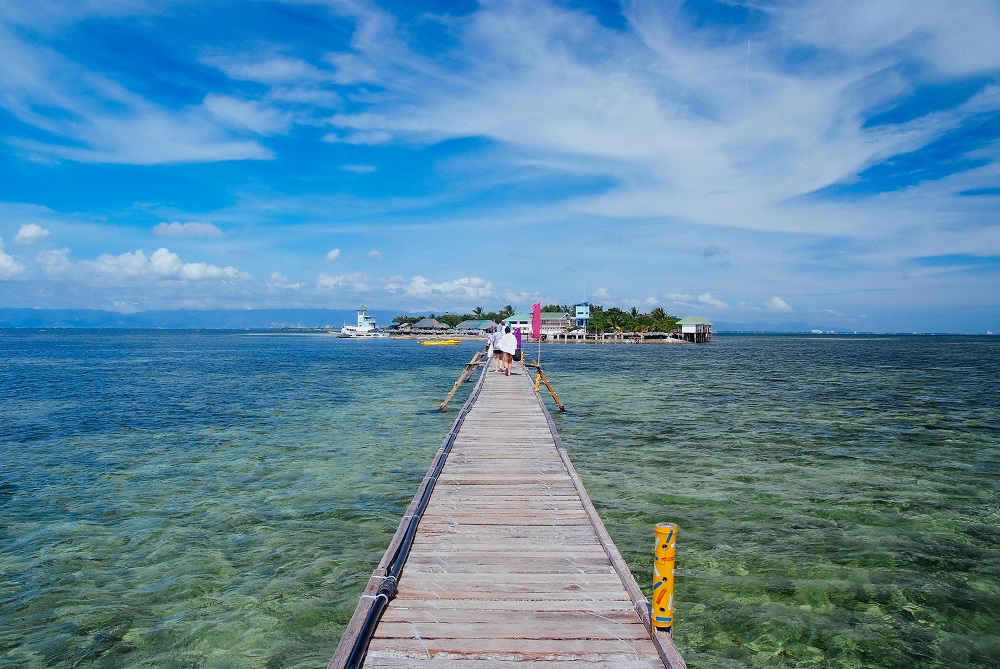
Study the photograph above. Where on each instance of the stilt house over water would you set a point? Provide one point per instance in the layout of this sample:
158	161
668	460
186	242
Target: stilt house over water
695	329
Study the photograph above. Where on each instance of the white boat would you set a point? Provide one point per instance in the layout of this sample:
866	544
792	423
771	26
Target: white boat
365	328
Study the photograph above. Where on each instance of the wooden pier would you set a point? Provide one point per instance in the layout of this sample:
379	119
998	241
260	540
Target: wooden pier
509	561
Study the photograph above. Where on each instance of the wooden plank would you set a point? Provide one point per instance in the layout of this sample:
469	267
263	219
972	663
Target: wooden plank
495	627
504	564
581	650
482	579
463	615
376	662
518	607
510	561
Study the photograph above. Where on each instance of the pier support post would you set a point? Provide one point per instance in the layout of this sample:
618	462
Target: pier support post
663	576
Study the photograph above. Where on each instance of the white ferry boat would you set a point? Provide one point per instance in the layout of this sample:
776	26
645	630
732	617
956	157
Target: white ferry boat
365	328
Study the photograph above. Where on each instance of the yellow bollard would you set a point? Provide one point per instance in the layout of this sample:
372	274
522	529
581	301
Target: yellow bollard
663	576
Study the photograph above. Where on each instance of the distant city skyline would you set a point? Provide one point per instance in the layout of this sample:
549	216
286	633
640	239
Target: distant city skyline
829	165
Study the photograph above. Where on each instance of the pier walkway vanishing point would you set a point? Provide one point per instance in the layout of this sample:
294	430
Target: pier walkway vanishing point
509	562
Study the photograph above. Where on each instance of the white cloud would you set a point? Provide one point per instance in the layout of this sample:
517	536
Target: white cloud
355	282
279	280
707	299
359	169
695	302
162	264
361	137
165	264
333	254
958	40
247	114
304	96
55	262
93	118
688	127
271	70
682	140
374	255
778	304
30	233
10	268
124	266
359	68
189	229
473	288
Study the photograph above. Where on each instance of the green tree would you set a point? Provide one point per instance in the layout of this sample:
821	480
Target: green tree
662	321
557	308
616	318
598	322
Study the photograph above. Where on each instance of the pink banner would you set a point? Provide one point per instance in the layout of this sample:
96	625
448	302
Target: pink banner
536	320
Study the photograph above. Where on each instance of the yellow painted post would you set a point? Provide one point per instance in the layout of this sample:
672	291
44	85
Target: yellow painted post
663	576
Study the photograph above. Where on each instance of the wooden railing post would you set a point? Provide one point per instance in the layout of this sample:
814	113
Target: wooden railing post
467	372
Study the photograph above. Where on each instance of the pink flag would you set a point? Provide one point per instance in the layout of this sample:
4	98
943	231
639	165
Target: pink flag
536	320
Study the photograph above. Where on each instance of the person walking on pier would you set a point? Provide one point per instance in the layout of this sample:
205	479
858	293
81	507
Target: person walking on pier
495	345
508	344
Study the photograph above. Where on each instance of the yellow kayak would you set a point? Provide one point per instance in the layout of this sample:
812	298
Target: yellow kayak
441	342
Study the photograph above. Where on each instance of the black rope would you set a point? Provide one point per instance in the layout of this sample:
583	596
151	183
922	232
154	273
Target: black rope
388	590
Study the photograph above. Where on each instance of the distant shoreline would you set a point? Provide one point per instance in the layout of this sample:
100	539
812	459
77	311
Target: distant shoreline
333	319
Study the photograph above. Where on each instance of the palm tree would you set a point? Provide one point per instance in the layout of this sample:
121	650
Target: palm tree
616	318
599	321
478	312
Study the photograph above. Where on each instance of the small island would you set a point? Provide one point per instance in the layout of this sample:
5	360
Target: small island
579	323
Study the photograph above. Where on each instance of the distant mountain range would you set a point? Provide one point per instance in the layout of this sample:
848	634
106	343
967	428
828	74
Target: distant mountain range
722	326
269	319
221	319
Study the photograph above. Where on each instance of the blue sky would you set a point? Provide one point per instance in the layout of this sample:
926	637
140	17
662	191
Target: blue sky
834	164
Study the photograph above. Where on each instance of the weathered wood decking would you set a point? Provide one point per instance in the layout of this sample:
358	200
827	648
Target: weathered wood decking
510	562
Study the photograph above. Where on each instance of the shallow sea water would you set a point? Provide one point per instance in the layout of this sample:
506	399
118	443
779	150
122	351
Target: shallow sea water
838	497
219	499
202	499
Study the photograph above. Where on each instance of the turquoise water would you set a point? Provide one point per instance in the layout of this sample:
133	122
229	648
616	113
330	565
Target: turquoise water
837	497
218	499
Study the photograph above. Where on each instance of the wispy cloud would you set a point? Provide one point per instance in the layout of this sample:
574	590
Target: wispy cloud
84	115
188	229
721	162
465	288
54	262
707	299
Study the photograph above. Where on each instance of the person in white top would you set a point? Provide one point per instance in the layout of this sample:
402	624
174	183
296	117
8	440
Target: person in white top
508	344
495	345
